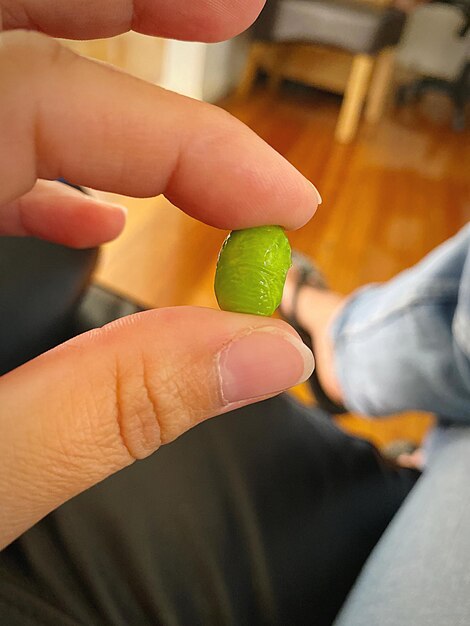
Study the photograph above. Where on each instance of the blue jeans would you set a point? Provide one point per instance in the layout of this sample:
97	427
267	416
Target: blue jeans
405	345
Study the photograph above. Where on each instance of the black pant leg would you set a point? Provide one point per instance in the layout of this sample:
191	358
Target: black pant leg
261	516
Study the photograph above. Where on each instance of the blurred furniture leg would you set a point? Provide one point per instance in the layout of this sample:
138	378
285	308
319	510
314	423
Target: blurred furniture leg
461	96
436	47
275	75
332	45
458	91
354	98
380	85
251	69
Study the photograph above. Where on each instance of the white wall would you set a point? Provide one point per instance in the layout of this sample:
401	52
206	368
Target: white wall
224	64
203	71
183	67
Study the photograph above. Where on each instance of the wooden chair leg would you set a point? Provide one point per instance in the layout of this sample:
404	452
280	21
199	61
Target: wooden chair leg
249	73
274	81
380	85
279	57
356	90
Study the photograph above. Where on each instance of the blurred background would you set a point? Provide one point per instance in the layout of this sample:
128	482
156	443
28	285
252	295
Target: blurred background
367	100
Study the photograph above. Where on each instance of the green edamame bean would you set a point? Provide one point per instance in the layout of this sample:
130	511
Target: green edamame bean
252	269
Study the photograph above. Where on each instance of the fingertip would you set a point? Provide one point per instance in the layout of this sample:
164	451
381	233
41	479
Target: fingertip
230	19
319	198
96	224
115	209
72	219
303	200
210	21
114	217
230	178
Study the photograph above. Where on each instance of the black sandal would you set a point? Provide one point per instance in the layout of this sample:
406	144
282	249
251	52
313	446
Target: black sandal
308	274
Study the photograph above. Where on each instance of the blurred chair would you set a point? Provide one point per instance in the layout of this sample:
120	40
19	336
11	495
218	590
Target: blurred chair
354	46
436	45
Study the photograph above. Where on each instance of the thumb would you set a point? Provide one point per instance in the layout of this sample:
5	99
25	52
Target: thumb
95	404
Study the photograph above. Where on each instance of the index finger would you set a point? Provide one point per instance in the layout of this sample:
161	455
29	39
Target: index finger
202	20
69	117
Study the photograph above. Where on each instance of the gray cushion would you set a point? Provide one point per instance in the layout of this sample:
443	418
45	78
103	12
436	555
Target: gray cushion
347	24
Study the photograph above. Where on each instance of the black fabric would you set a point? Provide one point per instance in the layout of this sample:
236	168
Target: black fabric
40	286
99	307
261	516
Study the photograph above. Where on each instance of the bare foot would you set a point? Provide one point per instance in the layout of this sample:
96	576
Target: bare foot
416	460
404	453
315	311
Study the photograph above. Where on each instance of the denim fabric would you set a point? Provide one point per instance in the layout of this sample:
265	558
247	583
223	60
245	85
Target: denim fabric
405	345
419	573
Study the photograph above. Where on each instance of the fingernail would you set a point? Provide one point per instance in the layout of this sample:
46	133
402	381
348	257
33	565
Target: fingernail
263	361
318	194
121	207
114	206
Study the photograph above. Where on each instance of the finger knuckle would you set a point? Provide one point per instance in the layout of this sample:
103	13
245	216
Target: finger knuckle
146	401
31	49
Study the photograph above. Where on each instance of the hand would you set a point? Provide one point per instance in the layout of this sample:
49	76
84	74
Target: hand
92	406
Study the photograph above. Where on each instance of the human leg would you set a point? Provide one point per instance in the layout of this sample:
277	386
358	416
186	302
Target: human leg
405	345
419	571
401	345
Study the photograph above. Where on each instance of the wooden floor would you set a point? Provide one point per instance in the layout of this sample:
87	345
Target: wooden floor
390	197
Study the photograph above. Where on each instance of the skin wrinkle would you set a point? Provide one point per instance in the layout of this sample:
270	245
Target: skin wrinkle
20	216
179	412
60	60
136	14
174	174
160	407
153	402
89	423
118	404
12	219
219	134
73	445
180	398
